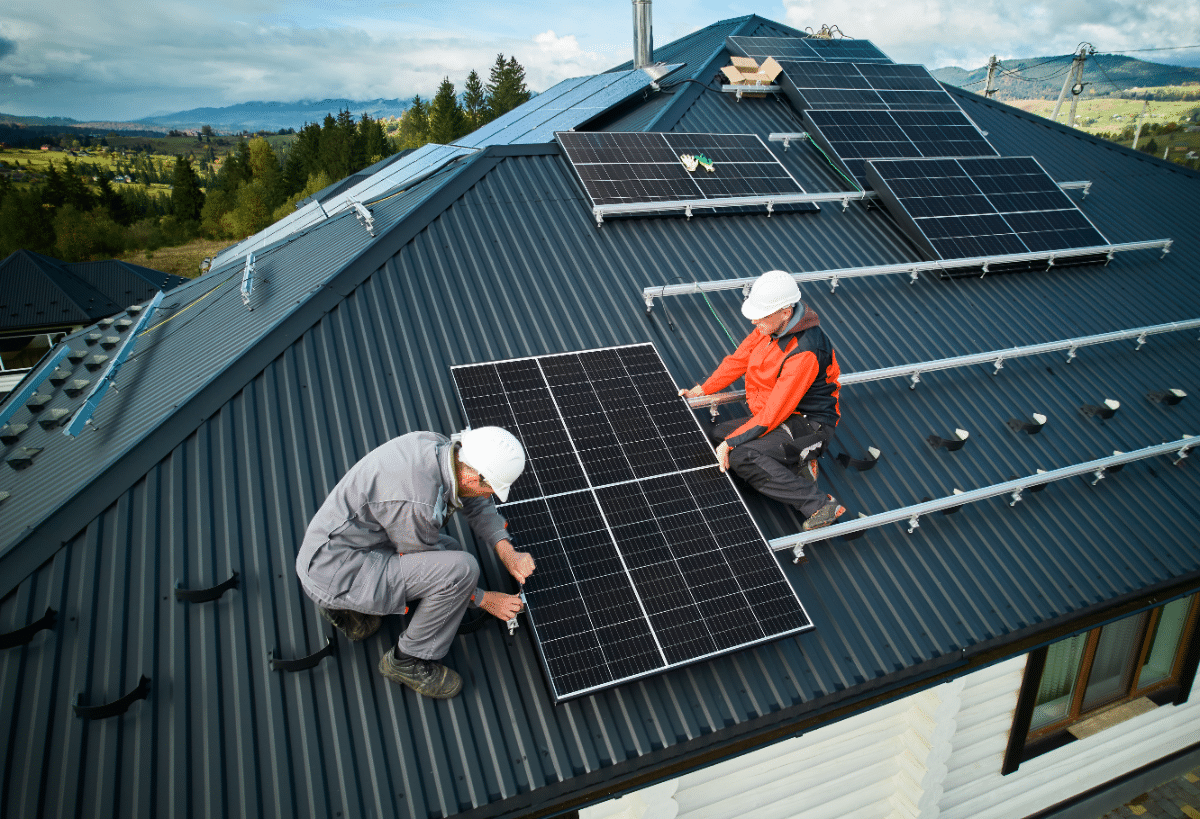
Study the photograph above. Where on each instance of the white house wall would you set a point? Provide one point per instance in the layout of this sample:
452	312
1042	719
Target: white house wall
933	755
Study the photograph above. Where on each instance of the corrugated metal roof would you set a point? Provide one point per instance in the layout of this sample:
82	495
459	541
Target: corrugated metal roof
500	258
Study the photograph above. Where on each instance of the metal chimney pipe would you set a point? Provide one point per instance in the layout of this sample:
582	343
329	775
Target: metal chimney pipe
643	34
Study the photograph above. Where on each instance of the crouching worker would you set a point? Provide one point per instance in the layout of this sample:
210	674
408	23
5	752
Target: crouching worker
792	389
376	544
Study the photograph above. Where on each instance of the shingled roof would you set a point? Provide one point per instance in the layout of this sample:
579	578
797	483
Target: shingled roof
233	420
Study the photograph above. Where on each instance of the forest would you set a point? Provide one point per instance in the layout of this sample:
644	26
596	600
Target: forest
94	201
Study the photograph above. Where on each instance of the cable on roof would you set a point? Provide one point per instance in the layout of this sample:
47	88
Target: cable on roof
835	167
192	304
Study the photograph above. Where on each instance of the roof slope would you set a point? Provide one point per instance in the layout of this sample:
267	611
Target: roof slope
232	425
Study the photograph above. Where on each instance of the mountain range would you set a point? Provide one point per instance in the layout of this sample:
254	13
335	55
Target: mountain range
1042	77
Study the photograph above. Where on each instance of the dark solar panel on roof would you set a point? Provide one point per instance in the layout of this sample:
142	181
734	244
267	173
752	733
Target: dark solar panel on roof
806	48
634	168
862	85
646	556
983	206
853	136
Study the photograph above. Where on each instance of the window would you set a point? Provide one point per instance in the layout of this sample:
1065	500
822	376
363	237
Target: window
1141	661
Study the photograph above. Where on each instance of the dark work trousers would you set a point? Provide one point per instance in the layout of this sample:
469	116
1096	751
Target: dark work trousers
772	464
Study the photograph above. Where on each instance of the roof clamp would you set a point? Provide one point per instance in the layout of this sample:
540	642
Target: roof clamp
1016	498
798	553
364	216
915	378
833	284
1050	261
1099	474
1182	453
912	275
913	523
1087	188
687	211
951	444
999	362
1141	342
1109	257
599	216
1166	249
713	413
845	203
1169	397
770	207
1071	354
248	280
984	272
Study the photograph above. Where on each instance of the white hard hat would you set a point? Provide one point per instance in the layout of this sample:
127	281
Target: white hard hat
771	291
496	454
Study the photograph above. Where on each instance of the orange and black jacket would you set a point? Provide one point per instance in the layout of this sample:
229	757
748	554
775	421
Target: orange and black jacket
795	372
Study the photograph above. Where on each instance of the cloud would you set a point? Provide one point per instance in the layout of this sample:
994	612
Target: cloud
949	32
25	81
7	47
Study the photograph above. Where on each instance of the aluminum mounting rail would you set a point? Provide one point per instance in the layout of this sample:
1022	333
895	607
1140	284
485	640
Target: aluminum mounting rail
83	417
911	269
913	372
1014	489
686	205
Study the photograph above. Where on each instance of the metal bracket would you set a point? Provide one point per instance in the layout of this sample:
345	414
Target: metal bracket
999	362
1031	427
1166	249
861	464
798	553
845	203
303	663
1016	498
915	378
364	216
1071	354
1099	474
687	211
25	634
649	304
913	523
1182	453
206	595
248	280
713	413
913	275
833	283
116	707
1141	342
951	444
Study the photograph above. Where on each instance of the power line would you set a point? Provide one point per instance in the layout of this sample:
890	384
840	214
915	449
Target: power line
1137	50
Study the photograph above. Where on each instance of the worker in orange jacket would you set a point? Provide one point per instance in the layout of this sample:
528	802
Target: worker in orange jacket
792	387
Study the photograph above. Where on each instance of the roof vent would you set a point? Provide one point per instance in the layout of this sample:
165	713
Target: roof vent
95	362
75	356
53	418
38	401
108	342
23	457
76	387
59	377
643	34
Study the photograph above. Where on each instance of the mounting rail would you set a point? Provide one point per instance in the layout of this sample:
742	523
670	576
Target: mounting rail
1013	489
910	269
686	205
913	372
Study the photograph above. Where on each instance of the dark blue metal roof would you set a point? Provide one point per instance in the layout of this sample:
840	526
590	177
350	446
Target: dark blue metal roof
231	426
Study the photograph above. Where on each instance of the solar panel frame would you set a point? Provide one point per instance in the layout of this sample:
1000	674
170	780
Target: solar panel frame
889	86
627	565
851	137
630	170
806	49
958	208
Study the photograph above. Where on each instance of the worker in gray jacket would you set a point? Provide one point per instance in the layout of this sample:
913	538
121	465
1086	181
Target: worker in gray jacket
376	544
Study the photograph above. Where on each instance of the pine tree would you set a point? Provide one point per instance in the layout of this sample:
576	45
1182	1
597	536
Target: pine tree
187	200
506	87
445	116
474	101
376	145
414	125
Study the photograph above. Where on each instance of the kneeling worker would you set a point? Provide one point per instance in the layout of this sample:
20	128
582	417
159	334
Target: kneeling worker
376	544
792	389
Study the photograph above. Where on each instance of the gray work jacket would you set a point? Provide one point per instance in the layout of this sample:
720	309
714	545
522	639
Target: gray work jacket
394	501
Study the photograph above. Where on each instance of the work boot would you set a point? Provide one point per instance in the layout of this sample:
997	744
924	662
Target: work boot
824	516
354	625
429	678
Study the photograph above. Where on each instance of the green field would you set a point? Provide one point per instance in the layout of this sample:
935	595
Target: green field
1102	114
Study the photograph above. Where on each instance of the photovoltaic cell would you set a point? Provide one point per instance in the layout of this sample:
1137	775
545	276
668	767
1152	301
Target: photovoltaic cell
884	86
983	206
806	48
646	556
853	136
637	168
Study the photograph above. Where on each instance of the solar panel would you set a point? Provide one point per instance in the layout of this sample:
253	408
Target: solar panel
984	206
852	136
565	106
646	556
862	85
619	169
806	48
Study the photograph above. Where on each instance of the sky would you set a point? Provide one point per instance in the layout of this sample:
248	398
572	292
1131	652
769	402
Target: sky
121	60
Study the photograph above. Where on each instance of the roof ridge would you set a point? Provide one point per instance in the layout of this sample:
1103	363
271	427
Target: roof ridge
62	279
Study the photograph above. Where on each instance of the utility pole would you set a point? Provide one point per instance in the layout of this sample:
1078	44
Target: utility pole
1141	118
1074	82
993	64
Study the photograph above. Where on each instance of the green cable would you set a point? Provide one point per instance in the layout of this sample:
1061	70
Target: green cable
732	340
835	167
